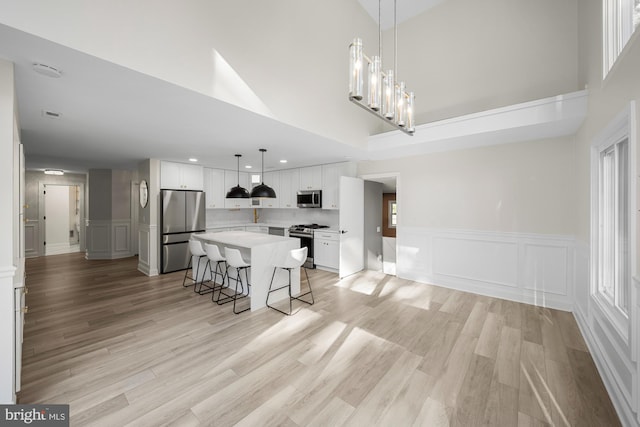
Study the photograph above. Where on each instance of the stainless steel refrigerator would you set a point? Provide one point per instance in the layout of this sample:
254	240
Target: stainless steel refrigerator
183	214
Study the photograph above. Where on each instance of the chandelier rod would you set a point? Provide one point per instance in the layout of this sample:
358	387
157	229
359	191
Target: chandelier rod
395	40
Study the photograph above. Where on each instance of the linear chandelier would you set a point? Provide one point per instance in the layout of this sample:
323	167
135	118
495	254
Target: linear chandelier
386	98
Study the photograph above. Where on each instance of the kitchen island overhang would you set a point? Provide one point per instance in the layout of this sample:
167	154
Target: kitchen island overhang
263	252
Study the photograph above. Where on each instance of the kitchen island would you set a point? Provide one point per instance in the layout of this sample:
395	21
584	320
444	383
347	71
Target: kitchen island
263	251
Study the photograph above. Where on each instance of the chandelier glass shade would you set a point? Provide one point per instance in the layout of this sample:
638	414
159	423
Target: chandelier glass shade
387	98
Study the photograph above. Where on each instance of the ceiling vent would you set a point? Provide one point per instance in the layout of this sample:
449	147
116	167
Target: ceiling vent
47	70
51	114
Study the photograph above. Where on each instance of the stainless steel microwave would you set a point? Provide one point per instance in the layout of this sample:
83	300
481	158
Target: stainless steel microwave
309	199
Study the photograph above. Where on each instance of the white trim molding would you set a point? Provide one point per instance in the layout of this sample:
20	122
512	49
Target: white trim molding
551	117
530	268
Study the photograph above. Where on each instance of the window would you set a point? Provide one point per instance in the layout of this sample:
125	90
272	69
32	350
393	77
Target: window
613	203
620	19
393	214
613	243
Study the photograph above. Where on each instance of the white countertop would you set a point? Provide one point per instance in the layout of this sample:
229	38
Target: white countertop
243	239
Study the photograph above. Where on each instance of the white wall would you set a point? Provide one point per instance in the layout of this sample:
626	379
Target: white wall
497	220
526	187
466	56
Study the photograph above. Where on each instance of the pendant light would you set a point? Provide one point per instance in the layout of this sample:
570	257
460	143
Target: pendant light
238	192
263	190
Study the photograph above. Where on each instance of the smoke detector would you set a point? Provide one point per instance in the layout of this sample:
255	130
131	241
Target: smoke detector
47	70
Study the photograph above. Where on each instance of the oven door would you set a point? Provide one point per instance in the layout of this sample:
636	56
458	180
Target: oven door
305	241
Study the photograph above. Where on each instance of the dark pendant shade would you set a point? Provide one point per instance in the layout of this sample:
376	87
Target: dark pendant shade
238	192
263	191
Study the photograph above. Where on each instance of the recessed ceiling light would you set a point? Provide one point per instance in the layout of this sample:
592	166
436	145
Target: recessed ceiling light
53	172
283	161
248	166
193	159
47	70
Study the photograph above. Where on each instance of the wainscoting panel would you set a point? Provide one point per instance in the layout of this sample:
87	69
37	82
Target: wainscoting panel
31	241
486	261
121	239
108	239
530	268
148	249
546	268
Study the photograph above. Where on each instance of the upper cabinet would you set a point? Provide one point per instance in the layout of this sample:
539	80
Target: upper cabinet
289	186
214	187
310	178
180	176
231	180
331	174
272	179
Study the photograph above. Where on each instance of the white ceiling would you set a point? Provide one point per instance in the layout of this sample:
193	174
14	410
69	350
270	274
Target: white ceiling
113	117
405	9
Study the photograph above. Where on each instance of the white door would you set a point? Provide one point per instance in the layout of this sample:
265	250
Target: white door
351	225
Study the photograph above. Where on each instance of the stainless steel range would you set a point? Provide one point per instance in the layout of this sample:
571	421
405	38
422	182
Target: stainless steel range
305	233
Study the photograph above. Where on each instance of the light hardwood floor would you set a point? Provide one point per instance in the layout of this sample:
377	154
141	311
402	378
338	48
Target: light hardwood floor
125	349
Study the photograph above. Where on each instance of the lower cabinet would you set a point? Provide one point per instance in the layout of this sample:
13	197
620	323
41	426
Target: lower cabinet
326	250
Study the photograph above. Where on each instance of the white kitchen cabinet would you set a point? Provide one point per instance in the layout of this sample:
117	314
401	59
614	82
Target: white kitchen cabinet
326	249
272	179
310	178
331	174
214	187
289	185
231	180
180	176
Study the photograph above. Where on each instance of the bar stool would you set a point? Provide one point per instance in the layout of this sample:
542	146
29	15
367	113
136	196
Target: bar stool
234	260
195	248
295	258
214	257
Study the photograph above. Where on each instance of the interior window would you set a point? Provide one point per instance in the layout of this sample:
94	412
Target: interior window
620	19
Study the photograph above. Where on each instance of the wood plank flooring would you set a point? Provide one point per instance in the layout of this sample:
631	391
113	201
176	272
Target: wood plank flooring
125	349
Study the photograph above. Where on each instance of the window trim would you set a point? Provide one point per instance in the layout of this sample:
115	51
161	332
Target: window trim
620	128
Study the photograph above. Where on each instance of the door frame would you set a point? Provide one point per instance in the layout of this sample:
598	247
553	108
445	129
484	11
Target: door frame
396	175
41	213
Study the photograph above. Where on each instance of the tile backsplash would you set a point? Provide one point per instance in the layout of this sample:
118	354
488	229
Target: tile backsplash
221	217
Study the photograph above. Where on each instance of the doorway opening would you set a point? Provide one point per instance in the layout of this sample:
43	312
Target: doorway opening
381	219
61	219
